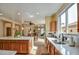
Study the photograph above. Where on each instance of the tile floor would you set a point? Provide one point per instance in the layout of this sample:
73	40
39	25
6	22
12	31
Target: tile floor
39	48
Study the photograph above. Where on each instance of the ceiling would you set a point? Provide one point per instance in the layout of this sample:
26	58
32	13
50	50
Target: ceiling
34	12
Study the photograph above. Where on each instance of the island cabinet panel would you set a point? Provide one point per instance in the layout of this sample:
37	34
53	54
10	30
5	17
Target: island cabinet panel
4	45
23	49
1	45
30	46
21	46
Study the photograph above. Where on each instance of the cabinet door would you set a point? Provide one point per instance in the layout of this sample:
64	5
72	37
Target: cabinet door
6	45
13	45
52	49
23	48
57	52
46	43
53	25
1	45
17	47
48	47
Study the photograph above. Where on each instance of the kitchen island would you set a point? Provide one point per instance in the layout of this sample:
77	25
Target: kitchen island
22	45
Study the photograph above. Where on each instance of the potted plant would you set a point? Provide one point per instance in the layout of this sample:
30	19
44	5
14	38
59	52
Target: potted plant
17	34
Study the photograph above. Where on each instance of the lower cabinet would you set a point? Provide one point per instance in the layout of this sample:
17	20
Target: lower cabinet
51	48
1	45
48	46
21	46
57	52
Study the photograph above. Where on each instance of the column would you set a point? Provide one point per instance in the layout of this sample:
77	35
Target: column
13	29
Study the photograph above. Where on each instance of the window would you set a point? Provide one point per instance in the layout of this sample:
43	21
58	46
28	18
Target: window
72	19
68	20
63	23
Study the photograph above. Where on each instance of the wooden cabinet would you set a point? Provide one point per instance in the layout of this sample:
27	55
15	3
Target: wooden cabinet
1	45
21	46
57	52
23	49
53	25
78	16
51	48
48	45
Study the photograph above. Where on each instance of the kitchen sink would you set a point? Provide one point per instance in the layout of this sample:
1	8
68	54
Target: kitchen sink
55	41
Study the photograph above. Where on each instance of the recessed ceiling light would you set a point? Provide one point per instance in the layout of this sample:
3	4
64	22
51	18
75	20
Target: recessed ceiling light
37	13
1	13
18	13
38	8
31	16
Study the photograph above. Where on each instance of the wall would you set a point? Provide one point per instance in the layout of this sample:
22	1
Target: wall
17	27
47	24
3	31
28	29
1	28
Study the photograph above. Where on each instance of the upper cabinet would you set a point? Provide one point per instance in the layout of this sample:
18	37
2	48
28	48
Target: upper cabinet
53	24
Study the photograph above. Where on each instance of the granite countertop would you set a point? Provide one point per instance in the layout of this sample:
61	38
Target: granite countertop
64	48
7	52
17	38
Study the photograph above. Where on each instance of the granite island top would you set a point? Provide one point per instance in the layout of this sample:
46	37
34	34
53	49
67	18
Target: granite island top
64	49
17	38
7	52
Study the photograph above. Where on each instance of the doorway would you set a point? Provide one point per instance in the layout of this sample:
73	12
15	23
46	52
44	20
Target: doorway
8	31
